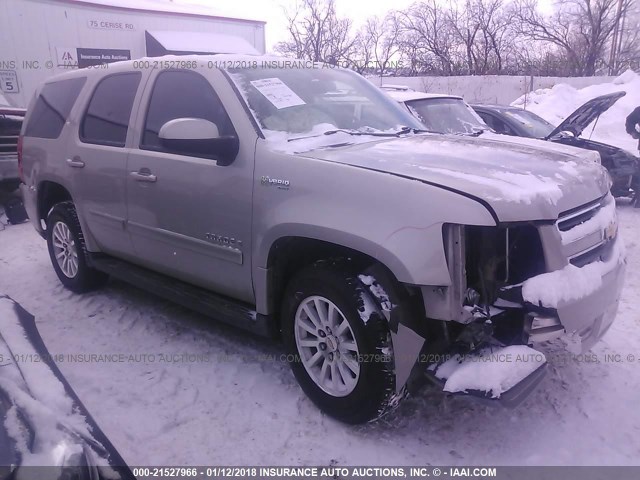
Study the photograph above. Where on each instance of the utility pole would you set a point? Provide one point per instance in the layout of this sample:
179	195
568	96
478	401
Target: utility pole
615	41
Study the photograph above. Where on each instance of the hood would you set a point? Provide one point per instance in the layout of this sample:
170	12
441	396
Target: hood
45	422
519	181
587	113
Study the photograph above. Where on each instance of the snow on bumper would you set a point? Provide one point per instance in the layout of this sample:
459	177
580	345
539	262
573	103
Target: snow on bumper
585	298
491	372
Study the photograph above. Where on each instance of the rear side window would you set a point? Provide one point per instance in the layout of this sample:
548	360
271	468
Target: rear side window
107	117
52	108
181	94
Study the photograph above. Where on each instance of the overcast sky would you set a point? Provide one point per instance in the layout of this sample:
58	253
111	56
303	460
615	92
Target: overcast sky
271	11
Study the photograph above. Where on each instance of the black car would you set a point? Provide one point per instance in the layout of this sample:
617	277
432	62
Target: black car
623	166
10	124
45	431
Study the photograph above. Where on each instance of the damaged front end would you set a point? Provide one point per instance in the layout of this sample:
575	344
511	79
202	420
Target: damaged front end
514	286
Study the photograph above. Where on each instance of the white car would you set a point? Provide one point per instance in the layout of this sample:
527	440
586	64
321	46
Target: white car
439	112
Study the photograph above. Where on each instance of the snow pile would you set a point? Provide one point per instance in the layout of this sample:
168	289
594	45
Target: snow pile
557	103
491	371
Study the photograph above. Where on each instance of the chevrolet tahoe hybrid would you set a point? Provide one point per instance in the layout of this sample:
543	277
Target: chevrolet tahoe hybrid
298	201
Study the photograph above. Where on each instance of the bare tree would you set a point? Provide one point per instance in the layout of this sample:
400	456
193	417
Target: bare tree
383	36
427	30
496	35
318	34
628	52
581	28
465	26
363	48
475	37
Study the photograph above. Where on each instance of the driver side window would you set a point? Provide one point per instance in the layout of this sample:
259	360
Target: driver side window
498	125
182	94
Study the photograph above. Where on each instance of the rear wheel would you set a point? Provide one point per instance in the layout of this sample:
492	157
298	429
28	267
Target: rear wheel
339	346
67	250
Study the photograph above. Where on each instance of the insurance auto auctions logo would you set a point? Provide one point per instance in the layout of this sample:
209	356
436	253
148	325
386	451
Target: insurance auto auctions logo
274	182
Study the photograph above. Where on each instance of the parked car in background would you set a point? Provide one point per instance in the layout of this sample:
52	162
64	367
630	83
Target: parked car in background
450	114
438	112
45	430
10	124
623	166
303	203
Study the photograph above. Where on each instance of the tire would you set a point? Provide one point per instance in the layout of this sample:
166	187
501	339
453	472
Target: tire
363	394
67	250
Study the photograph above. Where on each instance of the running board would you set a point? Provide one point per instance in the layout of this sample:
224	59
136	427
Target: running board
203	301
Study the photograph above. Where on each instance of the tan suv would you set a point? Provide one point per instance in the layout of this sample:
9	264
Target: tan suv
297	200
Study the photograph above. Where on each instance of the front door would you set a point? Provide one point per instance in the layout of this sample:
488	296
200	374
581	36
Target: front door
189	217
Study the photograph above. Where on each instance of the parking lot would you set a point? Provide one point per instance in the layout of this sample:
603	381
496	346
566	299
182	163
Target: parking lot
168	386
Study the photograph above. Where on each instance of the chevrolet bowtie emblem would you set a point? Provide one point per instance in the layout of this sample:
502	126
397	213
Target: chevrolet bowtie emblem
611	230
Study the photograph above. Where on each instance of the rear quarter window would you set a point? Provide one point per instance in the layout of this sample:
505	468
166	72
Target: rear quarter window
52	108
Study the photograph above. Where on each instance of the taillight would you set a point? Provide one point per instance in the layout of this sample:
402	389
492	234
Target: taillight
20	170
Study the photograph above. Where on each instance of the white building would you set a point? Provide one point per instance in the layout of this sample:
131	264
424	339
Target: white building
39	38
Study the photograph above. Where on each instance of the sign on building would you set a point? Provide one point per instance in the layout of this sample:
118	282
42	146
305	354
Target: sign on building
9	81
89	57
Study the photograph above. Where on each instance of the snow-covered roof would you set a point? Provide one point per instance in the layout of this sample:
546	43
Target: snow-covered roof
395	86
202	42
166	6
407	96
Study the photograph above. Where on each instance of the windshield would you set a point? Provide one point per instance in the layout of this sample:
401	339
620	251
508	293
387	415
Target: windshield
447	115
535	126
317	100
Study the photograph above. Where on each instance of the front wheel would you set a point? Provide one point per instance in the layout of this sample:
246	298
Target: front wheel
67	251
338	343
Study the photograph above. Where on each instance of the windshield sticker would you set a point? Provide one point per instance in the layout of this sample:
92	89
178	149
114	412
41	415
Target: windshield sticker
279	94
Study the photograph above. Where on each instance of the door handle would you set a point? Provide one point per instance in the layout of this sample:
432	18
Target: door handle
143	176
75	162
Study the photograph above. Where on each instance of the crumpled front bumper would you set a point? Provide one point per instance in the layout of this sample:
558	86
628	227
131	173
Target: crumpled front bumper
581	299
589	317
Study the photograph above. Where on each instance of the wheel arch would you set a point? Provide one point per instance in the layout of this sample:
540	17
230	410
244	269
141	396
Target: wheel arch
290	253
52	192
49	194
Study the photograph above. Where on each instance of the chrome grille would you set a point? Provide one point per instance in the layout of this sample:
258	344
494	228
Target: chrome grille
590	244
576	216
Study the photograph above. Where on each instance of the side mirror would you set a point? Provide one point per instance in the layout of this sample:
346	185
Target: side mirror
198	137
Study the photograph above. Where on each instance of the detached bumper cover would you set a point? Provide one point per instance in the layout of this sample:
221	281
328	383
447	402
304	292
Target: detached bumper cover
586	298
502	376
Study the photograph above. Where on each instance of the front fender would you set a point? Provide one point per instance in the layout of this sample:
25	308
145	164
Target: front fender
396	220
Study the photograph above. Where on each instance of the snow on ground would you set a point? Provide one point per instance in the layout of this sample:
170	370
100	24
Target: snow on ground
197	392
557	103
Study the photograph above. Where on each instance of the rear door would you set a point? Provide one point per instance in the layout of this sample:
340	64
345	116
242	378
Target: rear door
188	216
98	160
45	139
